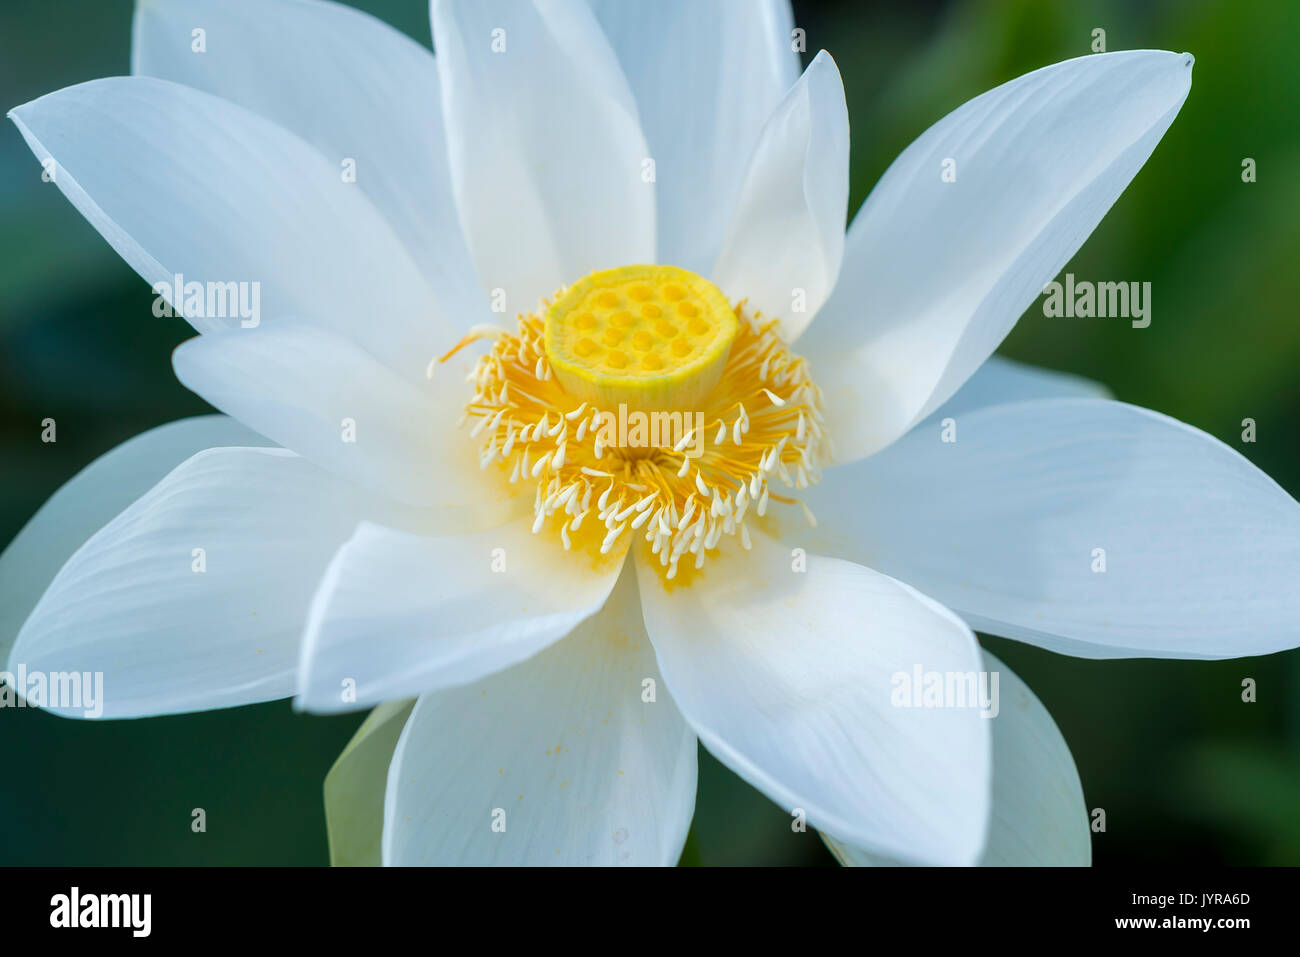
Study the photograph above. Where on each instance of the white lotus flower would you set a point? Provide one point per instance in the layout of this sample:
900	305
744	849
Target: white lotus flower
530	619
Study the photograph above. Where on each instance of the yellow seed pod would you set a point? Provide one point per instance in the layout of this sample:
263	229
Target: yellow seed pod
655	338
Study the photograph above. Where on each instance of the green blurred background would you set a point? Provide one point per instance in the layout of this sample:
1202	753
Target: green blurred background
1185	771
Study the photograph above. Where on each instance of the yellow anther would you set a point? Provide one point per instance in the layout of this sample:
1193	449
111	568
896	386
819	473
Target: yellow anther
757	426
666	370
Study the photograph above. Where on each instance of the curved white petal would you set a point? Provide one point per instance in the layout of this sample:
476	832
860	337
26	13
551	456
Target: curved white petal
784	243
1039	818
354	787
564	753
1001	381
319	394
90	499
706	75
790	677
397	615
176	629
1201	549
364	95
182	182
937	270
546	151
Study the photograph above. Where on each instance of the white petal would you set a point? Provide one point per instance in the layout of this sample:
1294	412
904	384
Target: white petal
322	396
1000	381
90	499
397	615
1039	818
937	272
788	678
546	151
181	182
785	241
1201	549
564	750
706	75
173	629
354	788
357	90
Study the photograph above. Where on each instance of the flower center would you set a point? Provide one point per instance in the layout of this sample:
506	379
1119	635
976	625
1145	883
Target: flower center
648	337
644	404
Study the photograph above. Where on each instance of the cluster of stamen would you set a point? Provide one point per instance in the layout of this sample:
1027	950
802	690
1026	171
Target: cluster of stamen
761	424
